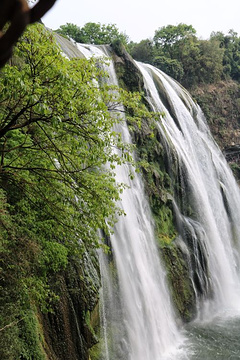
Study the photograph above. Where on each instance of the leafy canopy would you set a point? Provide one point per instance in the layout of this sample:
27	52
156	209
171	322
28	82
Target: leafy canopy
55	128
93	33
177	51
56	138
170	34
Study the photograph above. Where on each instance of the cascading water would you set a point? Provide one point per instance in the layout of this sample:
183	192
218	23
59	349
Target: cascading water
137	315
145	328
210	190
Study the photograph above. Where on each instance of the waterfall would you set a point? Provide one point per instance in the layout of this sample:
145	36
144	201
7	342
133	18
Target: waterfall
138	318
208	186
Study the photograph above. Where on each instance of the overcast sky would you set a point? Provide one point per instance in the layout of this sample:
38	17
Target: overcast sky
139	19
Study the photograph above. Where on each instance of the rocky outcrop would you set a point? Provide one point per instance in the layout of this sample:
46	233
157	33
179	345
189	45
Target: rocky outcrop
181	286
220	103
67	330
129	76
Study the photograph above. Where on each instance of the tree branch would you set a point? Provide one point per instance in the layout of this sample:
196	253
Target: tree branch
19	15
11	324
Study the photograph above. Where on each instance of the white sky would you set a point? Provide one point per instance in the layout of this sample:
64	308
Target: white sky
139	19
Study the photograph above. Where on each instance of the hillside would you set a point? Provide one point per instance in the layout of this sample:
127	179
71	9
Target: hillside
220	103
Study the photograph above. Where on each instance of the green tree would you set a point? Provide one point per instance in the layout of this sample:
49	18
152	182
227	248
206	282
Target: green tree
168	36
176	50
183	56
56	192
171	67
93	33
56	131
230	43
210	63
142	51
71	30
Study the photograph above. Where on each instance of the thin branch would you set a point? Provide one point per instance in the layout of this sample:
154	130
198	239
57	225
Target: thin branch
13	323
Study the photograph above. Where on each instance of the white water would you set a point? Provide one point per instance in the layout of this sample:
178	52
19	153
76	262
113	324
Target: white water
145	327
149	319
137	315
211	188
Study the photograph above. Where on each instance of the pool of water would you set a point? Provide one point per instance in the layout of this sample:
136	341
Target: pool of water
216	340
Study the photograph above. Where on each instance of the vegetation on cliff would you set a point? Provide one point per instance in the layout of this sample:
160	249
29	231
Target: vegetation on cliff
56	136
175	49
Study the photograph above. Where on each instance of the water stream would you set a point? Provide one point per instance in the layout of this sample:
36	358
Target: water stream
138	319
208	186
141	310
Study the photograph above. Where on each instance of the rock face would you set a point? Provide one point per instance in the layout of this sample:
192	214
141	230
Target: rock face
220	103
128	74
181	287
68	331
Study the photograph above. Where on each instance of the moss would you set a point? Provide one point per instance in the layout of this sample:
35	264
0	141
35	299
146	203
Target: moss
118	47
236	170
31	338
90	325
95	352
158	185
179	281
128	74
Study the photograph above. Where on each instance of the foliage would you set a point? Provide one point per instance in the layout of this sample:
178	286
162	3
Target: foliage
93	33
170	35
230	44
210	61
71	30
143	51
171	67
177	51
196	61
56	138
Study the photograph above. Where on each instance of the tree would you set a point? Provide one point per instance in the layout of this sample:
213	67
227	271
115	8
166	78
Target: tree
183	56
93	33
210	63
230	43
55	126
56	192
142	51
71	30
170	35
172	67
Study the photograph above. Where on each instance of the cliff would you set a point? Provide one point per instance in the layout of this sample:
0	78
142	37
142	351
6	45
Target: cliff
68	329
220	103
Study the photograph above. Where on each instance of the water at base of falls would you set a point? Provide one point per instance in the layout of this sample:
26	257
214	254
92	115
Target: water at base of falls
216	340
